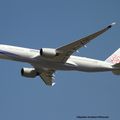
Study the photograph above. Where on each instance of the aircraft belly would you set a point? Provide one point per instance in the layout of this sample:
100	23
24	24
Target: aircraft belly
78	65
14	58
90	65
3	57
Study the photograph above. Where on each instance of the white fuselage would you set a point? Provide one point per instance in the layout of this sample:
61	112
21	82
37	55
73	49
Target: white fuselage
33	57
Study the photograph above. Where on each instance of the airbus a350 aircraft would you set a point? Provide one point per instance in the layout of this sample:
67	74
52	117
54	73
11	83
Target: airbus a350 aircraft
47	60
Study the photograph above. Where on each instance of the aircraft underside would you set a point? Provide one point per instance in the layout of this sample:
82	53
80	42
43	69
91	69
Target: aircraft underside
46	61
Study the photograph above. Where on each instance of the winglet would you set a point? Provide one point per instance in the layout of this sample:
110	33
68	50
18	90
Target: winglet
111	24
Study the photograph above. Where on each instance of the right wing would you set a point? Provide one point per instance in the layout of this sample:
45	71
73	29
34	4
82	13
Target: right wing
46	74
48	77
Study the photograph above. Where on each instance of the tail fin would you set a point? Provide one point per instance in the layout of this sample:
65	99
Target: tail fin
114	59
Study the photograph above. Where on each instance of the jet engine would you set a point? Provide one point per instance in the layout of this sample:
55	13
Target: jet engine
28	72
48	52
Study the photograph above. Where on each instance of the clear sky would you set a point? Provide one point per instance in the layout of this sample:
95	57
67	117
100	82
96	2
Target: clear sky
52	23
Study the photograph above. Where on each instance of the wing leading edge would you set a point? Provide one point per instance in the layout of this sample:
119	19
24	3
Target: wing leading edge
67	50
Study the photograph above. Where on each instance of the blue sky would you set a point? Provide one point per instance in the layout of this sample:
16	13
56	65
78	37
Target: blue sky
52	23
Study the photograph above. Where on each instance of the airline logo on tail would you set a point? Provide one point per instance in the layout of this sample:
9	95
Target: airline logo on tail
114	58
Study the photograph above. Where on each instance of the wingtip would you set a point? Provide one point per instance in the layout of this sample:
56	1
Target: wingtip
111	24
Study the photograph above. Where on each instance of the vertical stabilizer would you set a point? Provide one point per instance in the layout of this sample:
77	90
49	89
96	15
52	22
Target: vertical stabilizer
114	58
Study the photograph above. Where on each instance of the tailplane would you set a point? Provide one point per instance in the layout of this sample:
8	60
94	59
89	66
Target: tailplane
116	72
114	59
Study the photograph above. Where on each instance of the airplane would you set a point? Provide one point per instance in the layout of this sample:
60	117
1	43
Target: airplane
46	61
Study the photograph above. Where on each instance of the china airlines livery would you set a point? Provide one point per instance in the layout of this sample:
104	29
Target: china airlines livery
47	60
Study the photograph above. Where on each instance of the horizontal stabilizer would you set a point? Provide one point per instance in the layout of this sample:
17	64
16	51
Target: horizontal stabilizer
116	72
117	65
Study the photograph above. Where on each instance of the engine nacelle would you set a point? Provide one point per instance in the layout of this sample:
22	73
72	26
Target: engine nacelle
28	72
48	52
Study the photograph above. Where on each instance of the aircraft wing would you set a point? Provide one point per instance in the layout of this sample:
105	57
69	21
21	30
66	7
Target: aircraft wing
67	50
48	77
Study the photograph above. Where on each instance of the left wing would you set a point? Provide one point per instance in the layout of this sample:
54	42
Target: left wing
67	50
48	77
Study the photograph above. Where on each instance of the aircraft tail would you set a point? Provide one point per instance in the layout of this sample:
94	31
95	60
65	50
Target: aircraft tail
114	59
